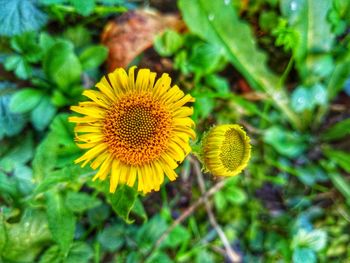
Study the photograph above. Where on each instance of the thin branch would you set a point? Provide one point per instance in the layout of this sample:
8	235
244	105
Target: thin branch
187	213
232	255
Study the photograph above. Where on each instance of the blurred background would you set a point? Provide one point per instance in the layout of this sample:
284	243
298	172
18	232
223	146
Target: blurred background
280	69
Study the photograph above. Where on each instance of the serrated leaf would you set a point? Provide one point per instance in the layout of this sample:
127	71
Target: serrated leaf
93	56
18	16
61	220
122	201
25	100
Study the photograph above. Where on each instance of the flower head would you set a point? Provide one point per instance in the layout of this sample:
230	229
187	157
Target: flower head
225	150
135	130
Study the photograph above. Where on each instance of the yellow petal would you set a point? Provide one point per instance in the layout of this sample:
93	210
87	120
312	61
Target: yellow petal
106	89
92	153
89	111
132	176
142	81
114	176
97	97
104	169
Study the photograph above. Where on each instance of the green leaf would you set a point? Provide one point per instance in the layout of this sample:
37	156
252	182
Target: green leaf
337	131
20	152
43	113
301	98
3	234
159	256
79	35
25	238
24	178
61	221
209	19
286	143
112	238
61	65
341	158
149	233
7	186
79	252
315	239
21	67
79	202
308	19
168	43
178	236
122	201
304	255
84	7
25	100
10	123
206	58
93	56
18	16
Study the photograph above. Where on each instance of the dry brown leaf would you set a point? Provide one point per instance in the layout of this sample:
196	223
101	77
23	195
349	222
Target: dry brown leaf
133	32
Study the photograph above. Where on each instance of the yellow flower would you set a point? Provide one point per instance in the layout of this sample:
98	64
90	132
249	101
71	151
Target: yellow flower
134	130
225	150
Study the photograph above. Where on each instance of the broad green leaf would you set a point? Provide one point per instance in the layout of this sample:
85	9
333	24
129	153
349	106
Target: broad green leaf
176	237
18	16
285	142
98	214
61	65
150	232
79	202
52	255
25	238
112	238
218	23
25	100
168	43
43	113
79	252
337	131
304	255
61	220
122	201
93	57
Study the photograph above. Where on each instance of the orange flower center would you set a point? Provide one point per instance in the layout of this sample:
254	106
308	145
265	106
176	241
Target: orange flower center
137	129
